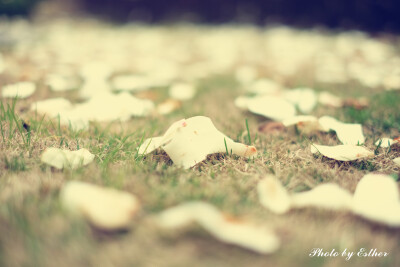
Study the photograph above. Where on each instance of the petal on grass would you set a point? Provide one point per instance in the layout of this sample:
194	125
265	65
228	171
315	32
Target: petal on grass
263	86
106	106
168	106
247	235
329	196
304	98
188	142
151	144
273	107
347	133
377	198
342	152
63	158
52	106
182	91
60	83
105	208
273	195
305	123
385	142
20	90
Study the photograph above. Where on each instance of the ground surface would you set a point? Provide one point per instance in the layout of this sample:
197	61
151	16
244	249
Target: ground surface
35	230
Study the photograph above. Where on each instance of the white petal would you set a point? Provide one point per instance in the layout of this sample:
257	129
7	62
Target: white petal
59	83
150	144
397	161
52	106
299	119
256	238
182	91
350	134
96	70
106	107
81	157
304	98
63	158
54	157
377	198
168	106
385	142
246	74
242	102
263	86
188	142
94	87
272	107
20	89
342	152
328	123
273	195
329	196
191	144
347	133
104	208
305	123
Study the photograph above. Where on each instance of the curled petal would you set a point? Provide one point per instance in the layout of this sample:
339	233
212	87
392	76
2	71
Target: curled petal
257	238
342	152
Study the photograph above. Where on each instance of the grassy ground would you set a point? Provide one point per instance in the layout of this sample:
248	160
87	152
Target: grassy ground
35	231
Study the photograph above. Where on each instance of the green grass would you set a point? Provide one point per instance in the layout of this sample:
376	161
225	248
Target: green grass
382	115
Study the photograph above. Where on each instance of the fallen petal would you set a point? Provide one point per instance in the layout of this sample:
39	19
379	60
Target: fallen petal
63	158
377	198
273	195
263	86
151	144
342	152
52	106
168	106
329	196
188	142
104	208
385	142
304	98
60	83
350	134
182	91
347	133
20	90
272	107
247	235
106	106
305	123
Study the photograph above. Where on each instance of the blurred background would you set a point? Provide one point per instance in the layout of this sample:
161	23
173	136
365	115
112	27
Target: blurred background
366	15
